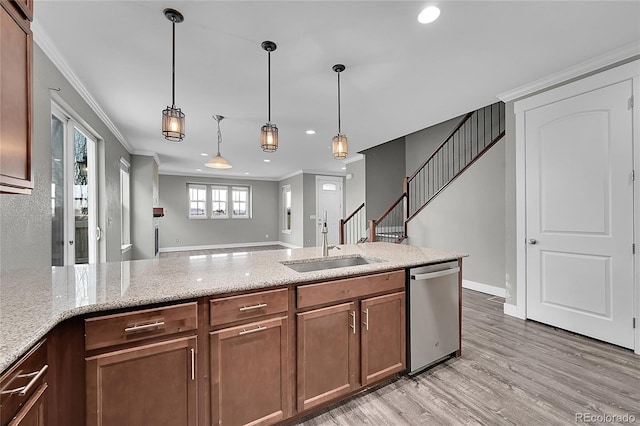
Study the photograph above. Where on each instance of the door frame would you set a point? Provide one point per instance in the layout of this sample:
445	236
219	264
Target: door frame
628	71
340	181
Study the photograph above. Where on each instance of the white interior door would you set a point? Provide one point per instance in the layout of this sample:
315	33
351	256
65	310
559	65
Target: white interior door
579	214
329	200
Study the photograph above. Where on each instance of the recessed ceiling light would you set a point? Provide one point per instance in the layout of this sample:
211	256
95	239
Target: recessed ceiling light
344	168
198	170
267	161
204	154
247	173
428	14
311	132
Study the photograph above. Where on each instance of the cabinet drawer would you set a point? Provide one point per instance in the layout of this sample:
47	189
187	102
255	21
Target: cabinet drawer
21	381
351	288
247	306
140	325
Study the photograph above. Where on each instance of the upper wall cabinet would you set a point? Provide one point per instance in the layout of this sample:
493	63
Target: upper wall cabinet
16	43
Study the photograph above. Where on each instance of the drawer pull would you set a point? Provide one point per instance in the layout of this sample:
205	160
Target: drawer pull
253	330
353	321
366	321
22	390
193	364
144	326
252	307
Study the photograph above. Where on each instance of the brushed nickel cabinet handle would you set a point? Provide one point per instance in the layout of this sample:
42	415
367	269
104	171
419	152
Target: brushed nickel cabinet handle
353	321
249	308
144	326
253	330
366	319
23	390
193	364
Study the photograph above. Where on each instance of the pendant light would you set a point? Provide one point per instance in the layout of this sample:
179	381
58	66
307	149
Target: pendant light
269	132
218	162
172	117
340	142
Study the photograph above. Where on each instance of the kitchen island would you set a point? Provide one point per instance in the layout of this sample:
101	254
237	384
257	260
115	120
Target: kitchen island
35	302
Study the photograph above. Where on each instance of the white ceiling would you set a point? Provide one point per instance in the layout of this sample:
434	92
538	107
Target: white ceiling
400	76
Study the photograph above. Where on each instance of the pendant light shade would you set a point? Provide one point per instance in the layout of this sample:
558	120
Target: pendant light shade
269	132
340	144
173	117
218	162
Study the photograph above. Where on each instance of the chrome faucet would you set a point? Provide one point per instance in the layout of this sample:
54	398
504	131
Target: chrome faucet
325	244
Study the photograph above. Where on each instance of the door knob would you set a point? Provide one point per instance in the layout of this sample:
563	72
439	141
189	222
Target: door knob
532	241
70	242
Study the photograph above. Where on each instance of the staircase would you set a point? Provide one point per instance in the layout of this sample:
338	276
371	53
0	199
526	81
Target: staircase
476	133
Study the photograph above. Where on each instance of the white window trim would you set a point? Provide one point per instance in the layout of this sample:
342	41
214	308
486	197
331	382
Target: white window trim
249	207
284	230
206	197
210	203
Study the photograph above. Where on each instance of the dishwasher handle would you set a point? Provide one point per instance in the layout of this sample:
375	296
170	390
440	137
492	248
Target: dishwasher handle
435	274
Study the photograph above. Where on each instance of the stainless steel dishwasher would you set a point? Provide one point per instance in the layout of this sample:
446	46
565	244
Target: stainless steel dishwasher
433	314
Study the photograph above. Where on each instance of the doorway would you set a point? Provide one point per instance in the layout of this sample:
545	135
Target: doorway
74	225
329	201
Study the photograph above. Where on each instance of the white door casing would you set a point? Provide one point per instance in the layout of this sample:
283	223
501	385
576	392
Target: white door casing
329	199
580	214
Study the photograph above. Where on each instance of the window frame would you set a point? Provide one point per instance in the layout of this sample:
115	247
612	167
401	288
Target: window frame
247	190
198	186
212	200
286	189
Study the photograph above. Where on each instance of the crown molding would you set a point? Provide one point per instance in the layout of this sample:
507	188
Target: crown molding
148	154
615	56
41	38
353	159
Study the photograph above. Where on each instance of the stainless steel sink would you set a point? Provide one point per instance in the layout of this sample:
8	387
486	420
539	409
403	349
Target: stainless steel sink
309	265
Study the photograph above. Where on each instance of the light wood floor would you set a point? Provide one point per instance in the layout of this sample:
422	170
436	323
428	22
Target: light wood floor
512	372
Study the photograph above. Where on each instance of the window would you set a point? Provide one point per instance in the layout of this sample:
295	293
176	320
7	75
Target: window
213	201
286	209
241	205
219	197
197	201
125	214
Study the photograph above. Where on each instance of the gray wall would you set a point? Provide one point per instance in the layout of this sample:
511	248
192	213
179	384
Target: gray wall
309	208
355	187
510	277
143	174
420	145
176	230
25	220
385	172
296	237
470	217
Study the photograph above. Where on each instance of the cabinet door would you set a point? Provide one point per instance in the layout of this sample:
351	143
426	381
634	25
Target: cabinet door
327	354
34	411
383	336
15	101
153	384
250	373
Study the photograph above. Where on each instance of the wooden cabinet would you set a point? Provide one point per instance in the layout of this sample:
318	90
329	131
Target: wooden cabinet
383	337
249	359
352	344
150	381
249	373
23	390
16	45
327	341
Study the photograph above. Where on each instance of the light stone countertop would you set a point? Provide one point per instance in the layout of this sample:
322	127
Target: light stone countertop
33	301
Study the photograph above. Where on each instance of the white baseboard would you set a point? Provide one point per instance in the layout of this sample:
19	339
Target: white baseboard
219	246
512	311
484	288
287	245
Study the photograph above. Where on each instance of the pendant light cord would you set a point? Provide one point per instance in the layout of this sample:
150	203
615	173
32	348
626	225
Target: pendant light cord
269	83
339	131
173	66
219	136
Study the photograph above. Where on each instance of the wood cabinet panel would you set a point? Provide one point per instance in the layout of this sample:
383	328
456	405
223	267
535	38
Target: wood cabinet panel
351	288
327	342
250	373
16	44
153	384
135	326
33	413
383	337
20	382
247	306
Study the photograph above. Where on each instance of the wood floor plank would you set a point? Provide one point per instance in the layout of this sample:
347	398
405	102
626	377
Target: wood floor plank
511	372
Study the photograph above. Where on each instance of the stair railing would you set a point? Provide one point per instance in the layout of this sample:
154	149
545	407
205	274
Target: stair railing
470	139
352	229
391	225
